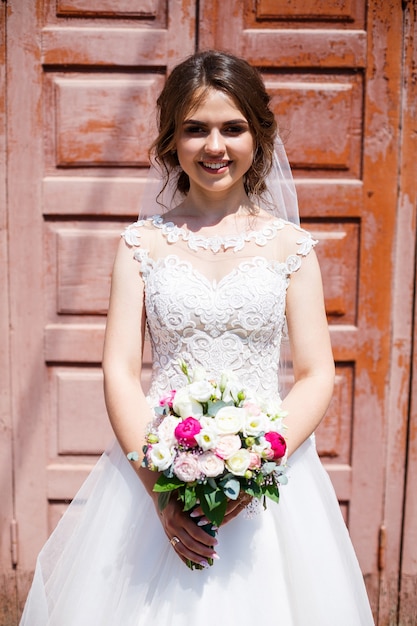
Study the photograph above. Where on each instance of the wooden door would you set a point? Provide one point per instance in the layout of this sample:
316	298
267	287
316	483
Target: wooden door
83	80
332	69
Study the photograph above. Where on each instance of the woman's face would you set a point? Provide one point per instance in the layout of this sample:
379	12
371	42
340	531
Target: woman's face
214	144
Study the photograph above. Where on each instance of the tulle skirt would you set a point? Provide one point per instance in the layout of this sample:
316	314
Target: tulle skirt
109	563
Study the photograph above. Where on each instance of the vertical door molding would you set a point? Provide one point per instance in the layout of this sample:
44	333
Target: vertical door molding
378	279
24	89
406	263
8	597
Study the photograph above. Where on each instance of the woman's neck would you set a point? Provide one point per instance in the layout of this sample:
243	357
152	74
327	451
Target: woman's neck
208	209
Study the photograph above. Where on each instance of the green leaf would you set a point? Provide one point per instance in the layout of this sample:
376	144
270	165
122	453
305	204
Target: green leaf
216	514
166	484
253	490
190	498
272	492
163	500
213	503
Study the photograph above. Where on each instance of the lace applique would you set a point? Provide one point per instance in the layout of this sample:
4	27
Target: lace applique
216	243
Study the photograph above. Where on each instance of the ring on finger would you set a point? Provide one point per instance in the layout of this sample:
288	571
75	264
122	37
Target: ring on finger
174	541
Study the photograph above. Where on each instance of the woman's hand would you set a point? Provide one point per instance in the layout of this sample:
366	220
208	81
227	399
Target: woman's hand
194	544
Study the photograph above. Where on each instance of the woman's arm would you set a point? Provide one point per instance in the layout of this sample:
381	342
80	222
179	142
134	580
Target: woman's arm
128	410
311	351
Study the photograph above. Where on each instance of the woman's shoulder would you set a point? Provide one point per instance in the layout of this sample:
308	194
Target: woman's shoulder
296	239
140	232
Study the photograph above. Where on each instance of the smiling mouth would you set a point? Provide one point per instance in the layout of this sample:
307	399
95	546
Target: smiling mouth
215	166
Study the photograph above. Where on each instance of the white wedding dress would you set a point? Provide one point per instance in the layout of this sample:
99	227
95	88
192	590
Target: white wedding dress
221	302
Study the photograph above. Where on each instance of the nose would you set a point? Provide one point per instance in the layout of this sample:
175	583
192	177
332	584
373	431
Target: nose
214	142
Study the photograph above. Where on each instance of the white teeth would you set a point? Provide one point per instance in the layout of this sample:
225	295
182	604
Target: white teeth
216	166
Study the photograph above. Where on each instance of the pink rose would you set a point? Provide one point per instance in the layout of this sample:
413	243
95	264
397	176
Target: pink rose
251	408
186	431
186	467
255	461
278	444
210	464
168	399
227	446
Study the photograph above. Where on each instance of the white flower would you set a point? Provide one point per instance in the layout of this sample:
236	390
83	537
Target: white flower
161	456
200	390
230	386
166	430
229	420
206	438
199	373
239	463
210	464
185	406
255	425
227	446
276	414
263	448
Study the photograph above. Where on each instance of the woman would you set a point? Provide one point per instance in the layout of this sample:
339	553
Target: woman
215	280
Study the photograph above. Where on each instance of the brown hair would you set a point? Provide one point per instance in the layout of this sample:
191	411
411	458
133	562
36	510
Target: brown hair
186	88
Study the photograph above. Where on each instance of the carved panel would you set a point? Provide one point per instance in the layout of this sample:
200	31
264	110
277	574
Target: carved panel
114	120
320	120
113	8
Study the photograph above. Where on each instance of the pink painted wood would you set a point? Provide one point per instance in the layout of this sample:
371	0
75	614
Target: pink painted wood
78	128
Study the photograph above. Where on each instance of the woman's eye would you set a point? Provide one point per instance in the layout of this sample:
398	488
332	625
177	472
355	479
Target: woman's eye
235	130
194	130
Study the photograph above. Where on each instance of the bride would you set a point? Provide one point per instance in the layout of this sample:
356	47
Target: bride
217	275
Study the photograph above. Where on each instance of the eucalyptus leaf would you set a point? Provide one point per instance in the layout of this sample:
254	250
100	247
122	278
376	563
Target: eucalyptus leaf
268	468
232	488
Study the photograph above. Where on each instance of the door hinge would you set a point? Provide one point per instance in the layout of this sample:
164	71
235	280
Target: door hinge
382	546
14	542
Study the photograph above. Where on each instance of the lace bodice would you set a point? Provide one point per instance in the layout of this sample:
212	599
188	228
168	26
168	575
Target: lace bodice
228	321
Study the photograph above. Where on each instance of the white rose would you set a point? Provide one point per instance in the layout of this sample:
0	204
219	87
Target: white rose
210	464
161	456
185	406
229	420
206	438
166	430
239	463
201	390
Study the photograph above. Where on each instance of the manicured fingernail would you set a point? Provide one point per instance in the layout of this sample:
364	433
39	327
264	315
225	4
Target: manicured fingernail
204	563
215	556
214	528
194	514
202	522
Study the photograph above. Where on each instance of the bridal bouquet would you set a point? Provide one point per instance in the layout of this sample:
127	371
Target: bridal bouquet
212	440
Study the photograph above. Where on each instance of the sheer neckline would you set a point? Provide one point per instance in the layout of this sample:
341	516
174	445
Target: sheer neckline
215	243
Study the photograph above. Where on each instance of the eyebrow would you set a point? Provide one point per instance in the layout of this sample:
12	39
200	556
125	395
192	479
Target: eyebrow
237	121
